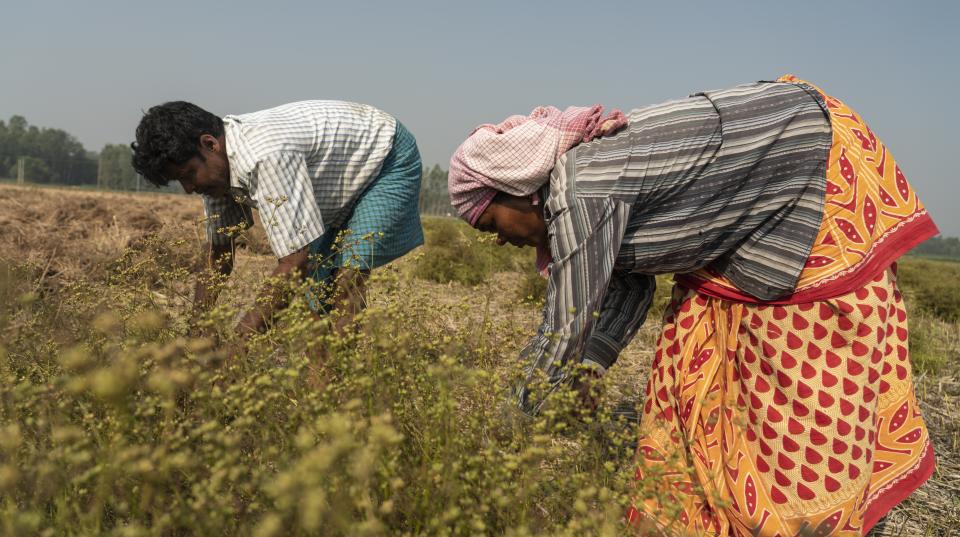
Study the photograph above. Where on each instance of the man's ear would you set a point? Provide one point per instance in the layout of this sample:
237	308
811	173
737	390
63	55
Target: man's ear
209	142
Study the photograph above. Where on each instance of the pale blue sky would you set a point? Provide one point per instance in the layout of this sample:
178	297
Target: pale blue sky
443	67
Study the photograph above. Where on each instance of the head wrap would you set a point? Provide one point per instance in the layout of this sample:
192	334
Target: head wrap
517	155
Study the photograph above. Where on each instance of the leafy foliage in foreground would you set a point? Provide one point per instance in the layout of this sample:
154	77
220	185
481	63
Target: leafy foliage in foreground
455	252
114	423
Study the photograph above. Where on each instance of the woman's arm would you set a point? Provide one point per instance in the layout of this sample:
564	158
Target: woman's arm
585	236
624	311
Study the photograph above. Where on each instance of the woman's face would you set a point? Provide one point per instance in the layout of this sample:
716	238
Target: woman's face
515	220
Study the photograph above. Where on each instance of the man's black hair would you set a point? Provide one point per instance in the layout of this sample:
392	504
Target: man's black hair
170	134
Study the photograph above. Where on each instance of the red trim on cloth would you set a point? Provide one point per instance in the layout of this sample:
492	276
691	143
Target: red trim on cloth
889	249
888	499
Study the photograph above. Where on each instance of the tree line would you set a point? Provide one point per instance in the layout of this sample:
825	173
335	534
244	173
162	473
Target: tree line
946	247
53	156
43	155
434	196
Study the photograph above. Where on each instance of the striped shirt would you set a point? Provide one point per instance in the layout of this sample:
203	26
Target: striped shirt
302	165
733	179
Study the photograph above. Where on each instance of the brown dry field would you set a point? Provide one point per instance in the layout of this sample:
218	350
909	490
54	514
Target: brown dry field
69	234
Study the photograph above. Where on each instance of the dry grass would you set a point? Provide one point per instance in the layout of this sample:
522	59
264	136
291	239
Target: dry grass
934	509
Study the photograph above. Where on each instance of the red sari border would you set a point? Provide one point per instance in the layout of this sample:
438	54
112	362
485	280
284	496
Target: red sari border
888	498
886	250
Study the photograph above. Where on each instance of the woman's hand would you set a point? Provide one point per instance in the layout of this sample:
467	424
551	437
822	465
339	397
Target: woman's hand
587	385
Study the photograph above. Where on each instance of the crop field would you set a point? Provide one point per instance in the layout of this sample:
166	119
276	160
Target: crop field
115	421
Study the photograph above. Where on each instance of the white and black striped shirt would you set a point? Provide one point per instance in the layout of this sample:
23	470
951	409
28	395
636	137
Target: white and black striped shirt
302	166
733	179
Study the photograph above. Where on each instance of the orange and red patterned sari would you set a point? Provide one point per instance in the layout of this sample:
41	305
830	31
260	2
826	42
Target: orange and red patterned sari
796	417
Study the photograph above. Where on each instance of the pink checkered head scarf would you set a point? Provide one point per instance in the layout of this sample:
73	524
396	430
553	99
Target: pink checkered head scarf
517	155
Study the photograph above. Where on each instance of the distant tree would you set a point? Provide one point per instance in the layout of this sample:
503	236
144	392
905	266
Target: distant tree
63	158
434	196
4	165
36	169
65	155
116	169
939	247
10	135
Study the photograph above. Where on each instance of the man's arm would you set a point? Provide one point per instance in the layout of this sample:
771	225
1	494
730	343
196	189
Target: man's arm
292	220
220	214
273	296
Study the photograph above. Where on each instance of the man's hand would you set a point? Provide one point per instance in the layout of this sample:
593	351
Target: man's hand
273	298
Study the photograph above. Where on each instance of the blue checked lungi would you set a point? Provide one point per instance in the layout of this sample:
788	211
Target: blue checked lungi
385	223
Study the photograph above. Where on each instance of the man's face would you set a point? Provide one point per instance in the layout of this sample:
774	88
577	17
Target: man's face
207	173
515	220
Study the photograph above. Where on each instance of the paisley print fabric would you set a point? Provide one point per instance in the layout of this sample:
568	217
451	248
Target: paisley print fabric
871	216
780	419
